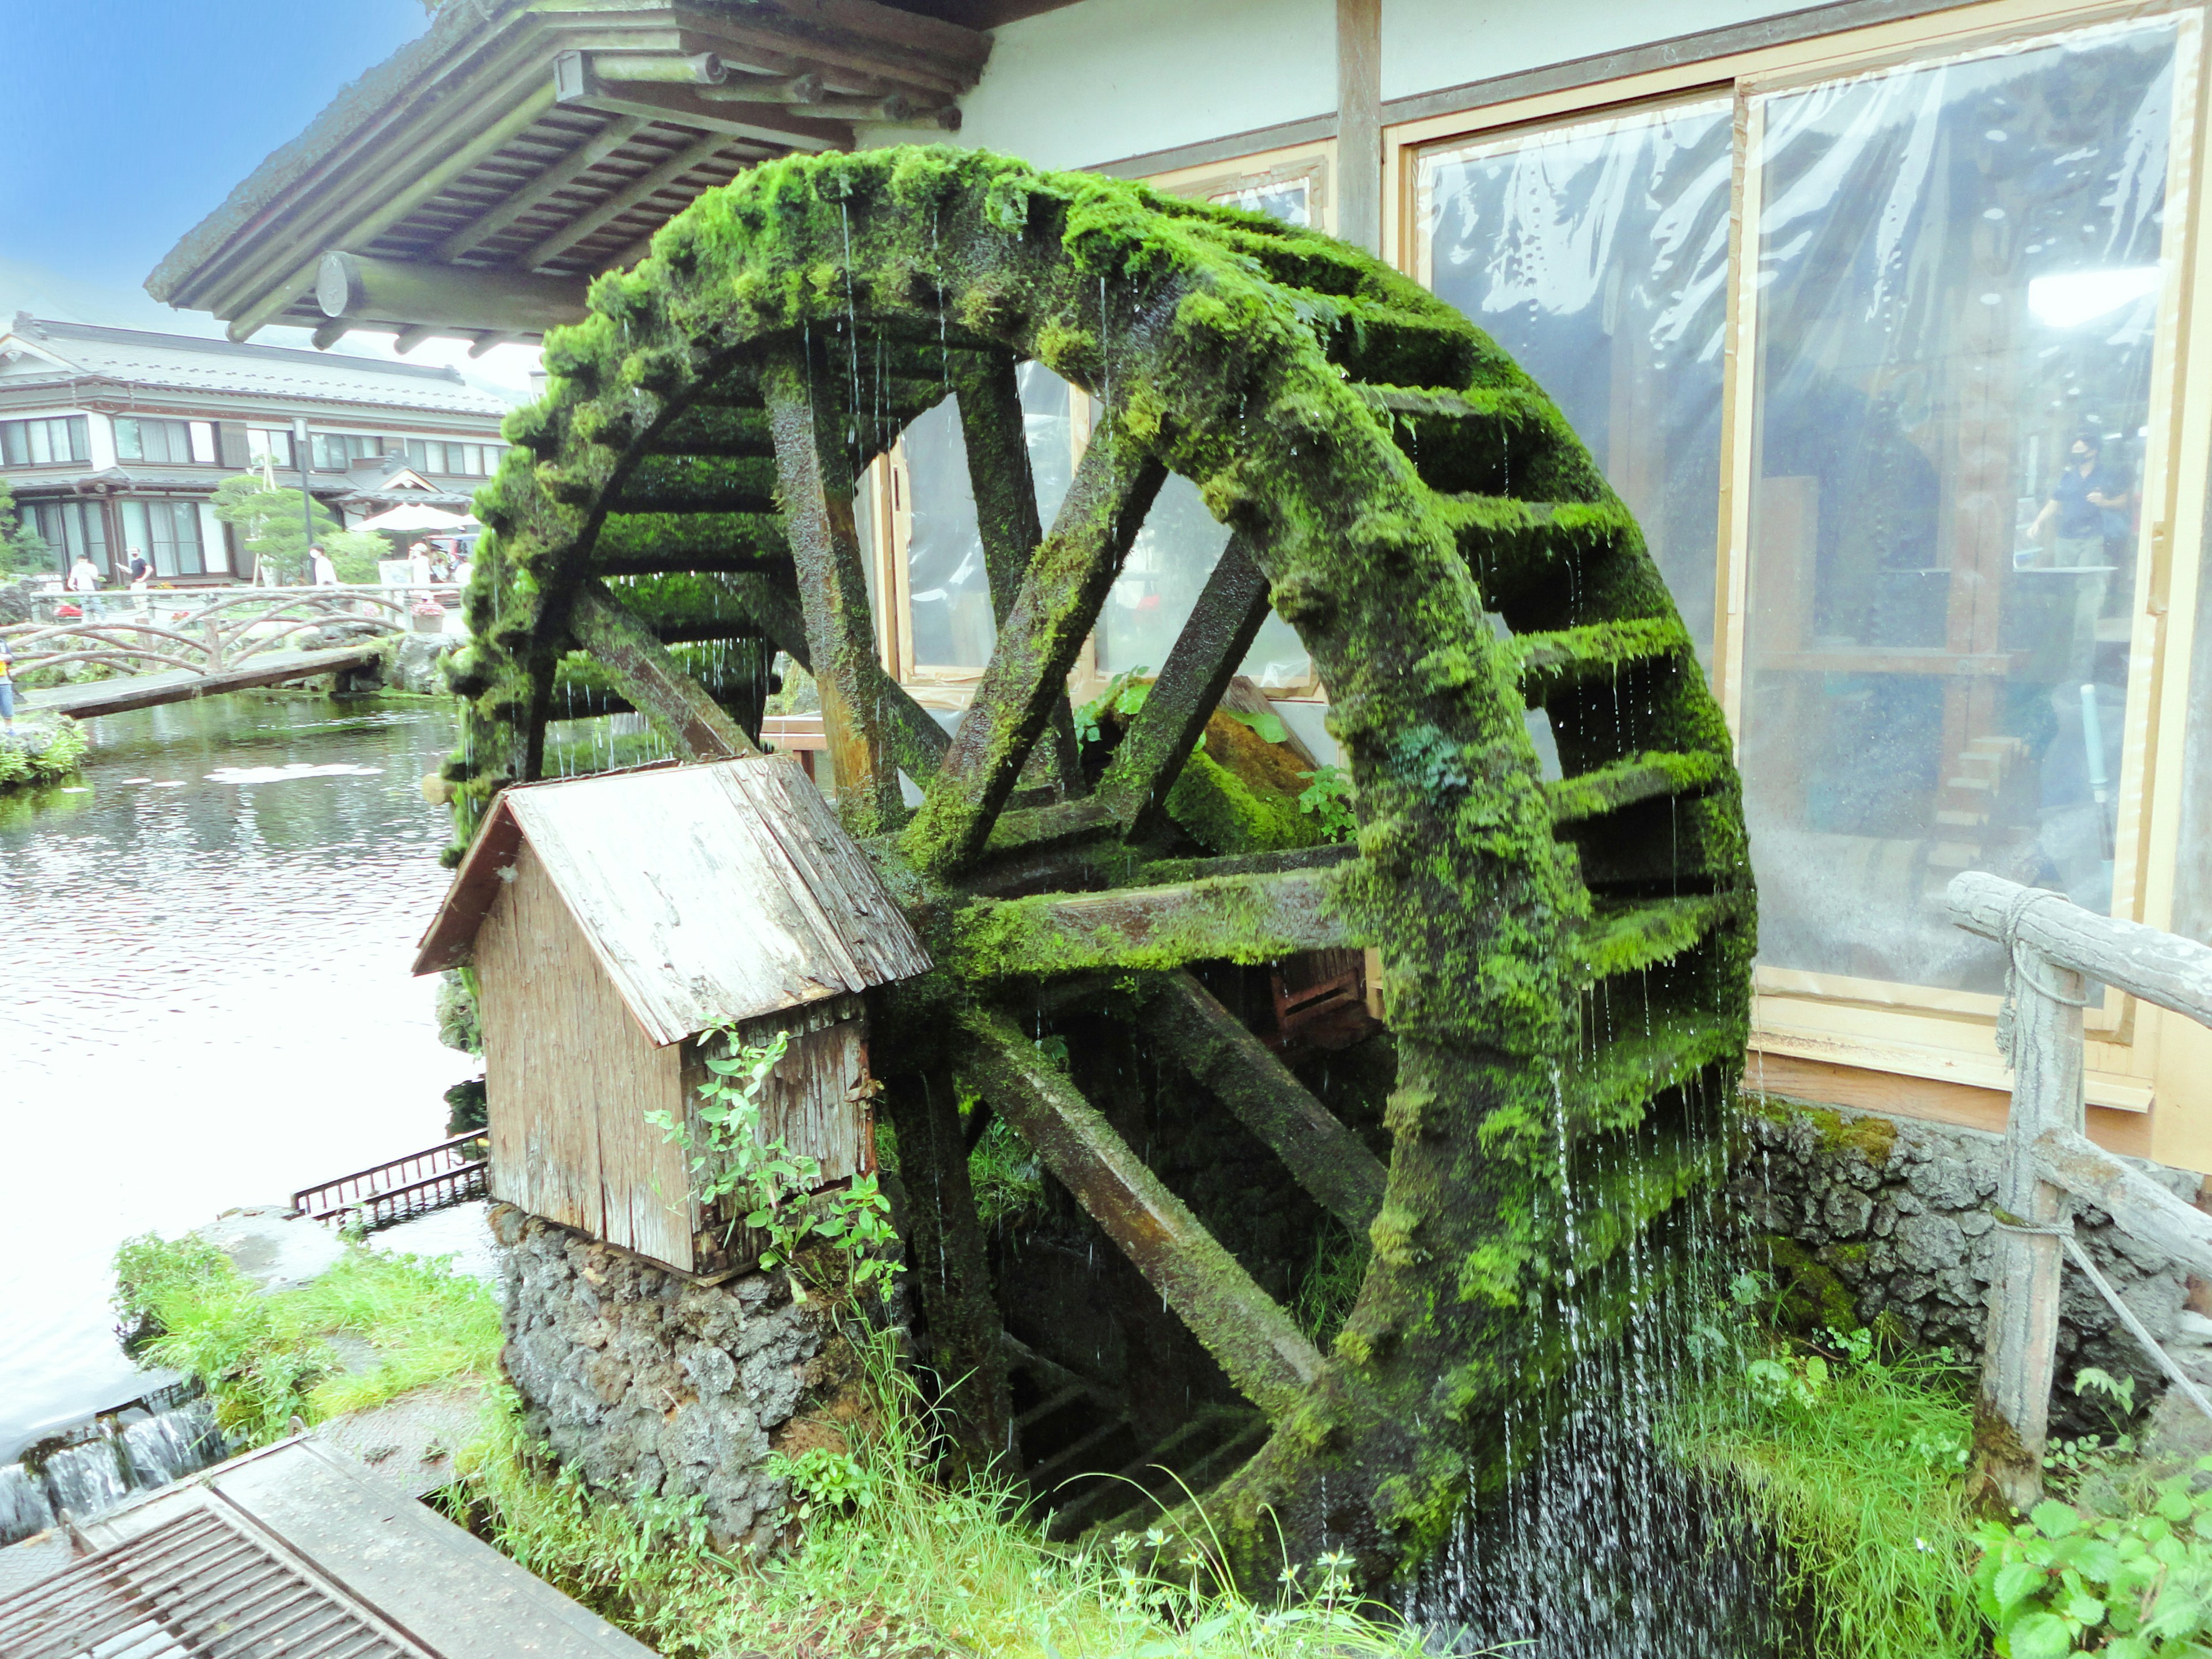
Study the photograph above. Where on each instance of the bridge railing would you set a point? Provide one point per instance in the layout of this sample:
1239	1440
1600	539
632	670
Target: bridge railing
228	629
2054	950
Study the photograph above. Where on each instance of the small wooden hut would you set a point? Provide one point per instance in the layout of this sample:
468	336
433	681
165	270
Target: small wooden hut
612	922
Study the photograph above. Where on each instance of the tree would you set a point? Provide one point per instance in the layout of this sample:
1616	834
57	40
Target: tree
22	547
269	527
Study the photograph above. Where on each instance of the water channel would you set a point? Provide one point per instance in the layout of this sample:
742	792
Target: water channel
205	1000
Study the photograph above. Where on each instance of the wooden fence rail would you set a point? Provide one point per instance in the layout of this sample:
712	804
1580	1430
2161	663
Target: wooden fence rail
2054	949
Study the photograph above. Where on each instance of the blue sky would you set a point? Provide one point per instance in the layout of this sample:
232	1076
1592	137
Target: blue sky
123	122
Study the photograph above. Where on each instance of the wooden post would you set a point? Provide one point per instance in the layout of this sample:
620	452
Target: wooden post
2020	1354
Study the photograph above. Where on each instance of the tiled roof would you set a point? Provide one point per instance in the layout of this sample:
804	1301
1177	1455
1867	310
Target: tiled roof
179	362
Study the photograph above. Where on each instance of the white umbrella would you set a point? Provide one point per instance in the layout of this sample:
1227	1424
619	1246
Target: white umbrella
410	517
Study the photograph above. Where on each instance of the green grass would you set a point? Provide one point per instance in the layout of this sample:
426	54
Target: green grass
266	1358
904	1567
1861	1472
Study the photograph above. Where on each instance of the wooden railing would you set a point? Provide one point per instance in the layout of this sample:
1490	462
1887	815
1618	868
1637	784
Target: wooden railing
2055	949
451	1172
147	632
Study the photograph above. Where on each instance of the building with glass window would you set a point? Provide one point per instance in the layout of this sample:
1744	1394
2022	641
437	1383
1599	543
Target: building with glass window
1880	313
114	440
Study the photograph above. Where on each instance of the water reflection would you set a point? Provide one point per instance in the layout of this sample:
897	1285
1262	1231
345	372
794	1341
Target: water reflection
206	1001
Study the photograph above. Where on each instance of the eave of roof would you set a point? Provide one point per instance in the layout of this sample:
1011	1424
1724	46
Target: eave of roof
467	154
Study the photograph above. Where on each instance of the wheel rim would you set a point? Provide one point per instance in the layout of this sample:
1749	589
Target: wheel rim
1566	962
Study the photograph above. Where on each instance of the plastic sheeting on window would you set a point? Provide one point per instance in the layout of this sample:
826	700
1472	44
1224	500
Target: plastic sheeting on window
949	594
1598	255
1958	289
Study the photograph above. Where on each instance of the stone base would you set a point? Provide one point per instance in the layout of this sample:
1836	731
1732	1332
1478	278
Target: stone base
653	1385
1885	1221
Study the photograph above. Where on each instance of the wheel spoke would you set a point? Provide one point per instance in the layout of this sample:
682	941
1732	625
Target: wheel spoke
677	705
1266	1356
1222	627
994	435
1060	595
811	465
1250	918
1325	1158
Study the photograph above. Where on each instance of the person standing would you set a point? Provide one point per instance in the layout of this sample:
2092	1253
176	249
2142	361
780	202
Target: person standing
141	581
418	565
2083	507
84	581
324	573
7	689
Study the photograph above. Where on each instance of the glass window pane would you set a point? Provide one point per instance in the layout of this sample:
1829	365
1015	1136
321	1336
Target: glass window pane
1290	200
948	590
1958	285
1597	255
80	438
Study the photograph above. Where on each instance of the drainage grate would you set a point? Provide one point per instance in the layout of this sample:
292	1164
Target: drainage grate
193	1588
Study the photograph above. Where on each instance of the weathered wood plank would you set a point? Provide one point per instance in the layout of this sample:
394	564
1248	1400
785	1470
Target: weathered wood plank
2012	1413
1266	1356
119	696
677	705
1060	595
1322	1155
1223	624
2140	1205
995	438
816	481
1253	918
2174	972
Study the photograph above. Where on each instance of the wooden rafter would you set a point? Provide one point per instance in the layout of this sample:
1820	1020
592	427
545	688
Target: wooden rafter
1061	593
1220	630
1250	918
696	154
1266	1355
538	192
1322	1155
675	702
995	436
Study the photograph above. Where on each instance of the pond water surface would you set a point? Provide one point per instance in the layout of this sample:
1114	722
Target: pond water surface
204	999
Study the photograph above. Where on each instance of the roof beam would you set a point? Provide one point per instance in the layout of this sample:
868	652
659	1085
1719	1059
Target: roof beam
778	53
691	155
602	80
279	296
365	289
538	192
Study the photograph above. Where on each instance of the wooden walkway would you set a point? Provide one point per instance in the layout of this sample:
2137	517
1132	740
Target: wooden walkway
295	1550
122	694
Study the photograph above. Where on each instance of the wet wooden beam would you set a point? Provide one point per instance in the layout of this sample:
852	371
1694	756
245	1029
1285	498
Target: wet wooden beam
996	439
536	192
694	154
967	1342
1265	1354
833	590
1222	626
677	704
1058	604
1250	918
362	287
596	80
1322	1155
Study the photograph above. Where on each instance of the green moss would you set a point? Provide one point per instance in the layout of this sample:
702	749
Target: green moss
1868	1135
1225	344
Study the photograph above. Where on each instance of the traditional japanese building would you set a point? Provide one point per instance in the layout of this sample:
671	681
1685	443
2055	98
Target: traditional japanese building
114	440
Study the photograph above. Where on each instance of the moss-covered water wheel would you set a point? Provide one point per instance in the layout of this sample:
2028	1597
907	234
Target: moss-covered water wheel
1565	959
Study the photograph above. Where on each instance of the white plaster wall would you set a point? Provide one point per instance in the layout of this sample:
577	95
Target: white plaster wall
214	554
1106	79
1428	44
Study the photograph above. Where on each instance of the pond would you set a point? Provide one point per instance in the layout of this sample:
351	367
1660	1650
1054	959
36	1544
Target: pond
205	1001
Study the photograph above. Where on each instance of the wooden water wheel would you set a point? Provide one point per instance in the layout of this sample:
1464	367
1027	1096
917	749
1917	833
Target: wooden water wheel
1565	959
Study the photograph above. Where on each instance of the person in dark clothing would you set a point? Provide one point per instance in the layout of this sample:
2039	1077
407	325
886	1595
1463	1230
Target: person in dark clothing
2088	508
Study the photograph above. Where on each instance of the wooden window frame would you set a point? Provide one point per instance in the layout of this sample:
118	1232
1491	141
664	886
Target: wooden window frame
1823	1022
80	435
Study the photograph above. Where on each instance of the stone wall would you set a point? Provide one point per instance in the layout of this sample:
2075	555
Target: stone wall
1886	1221
650	1384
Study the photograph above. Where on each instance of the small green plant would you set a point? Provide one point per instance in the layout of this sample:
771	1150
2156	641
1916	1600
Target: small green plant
2138	1586
1124	695
1328	797
1264	722
764	1185
827	1484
